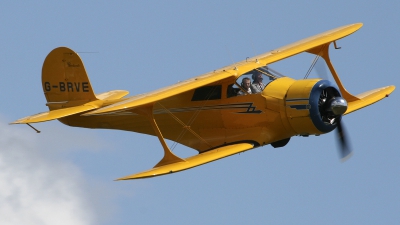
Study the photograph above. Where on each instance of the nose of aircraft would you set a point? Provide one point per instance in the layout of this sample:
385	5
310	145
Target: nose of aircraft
338	106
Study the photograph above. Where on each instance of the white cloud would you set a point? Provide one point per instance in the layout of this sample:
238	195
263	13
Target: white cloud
37	187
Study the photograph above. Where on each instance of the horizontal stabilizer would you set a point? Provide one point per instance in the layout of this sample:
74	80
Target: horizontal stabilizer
112	95
54	114
63	112
368	98
193	161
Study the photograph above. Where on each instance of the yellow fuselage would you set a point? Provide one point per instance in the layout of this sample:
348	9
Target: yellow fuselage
254	118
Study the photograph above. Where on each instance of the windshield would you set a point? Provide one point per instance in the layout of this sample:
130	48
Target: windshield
253	82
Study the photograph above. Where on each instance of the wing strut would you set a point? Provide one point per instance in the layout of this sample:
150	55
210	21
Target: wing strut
169	157
323	51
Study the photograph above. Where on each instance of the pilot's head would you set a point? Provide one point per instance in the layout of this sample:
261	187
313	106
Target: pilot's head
246	82
257	77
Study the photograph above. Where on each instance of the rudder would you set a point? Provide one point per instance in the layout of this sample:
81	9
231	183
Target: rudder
64	79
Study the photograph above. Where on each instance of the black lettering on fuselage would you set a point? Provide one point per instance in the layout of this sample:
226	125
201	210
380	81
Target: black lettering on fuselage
68	86
62	86
77	86
85	86
47	86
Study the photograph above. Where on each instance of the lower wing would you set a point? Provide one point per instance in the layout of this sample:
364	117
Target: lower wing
192	161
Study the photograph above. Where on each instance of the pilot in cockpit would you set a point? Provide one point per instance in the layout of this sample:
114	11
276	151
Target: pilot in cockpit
257	86
246	83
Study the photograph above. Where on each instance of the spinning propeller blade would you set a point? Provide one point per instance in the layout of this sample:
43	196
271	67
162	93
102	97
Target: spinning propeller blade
343	145
321	69
344	148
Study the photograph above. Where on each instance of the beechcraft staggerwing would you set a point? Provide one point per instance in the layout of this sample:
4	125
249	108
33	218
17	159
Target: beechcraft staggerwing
215	113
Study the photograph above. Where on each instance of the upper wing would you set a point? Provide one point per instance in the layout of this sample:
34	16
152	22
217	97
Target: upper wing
233	71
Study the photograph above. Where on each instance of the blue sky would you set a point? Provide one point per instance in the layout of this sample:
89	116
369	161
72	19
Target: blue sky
65	175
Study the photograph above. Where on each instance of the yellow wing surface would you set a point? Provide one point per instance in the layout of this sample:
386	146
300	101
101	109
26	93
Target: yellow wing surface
191	162
55	114
233	71
103	98
368	98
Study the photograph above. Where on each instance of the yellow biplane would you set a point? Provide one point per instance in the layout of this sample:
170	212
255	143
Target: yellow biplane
221	113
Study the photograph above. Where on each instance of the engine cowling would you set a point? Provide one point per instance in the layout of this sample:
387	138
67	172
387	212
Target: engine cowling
314	106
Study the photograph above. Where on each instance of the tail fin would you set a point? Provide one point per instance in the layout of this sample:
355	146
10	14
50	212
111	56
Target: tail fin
67	88
64	79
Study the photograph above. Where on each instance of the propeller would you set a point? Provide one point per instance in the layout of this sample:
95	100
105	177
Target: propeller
345	150
332	107
320	69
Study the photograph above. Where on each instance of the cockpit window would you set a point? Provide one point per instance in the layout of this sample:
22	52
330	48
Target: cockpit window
207	93
253	82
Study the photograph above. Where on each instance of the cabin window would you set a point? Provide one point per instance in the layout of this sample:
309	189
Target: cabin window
207	93
254	81
232	90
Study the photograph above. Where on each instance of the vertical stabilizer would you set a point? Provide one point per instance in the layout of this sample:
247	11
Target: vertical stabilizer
64	79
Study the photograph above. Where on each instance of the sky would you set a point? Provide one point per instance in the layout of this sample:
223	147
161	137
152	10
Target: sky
64	175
